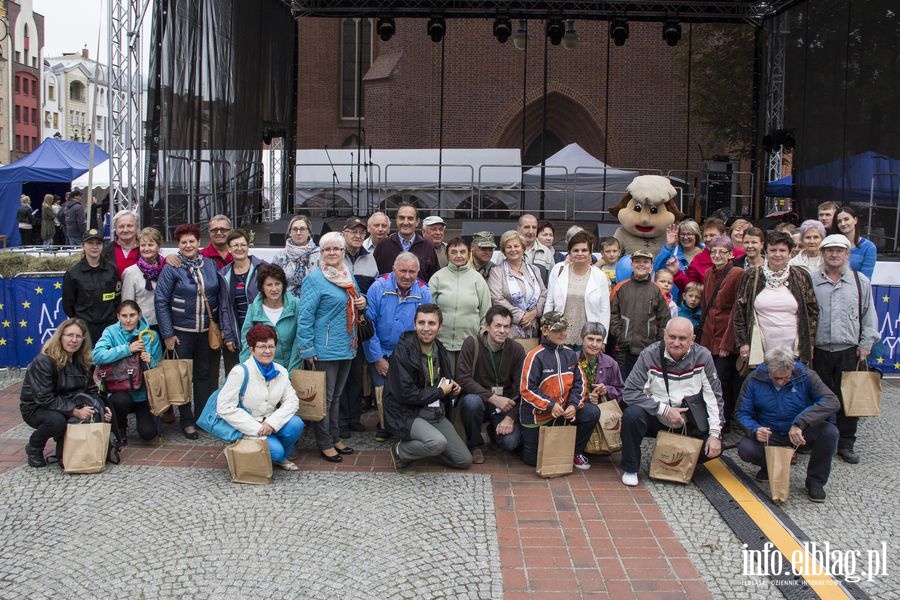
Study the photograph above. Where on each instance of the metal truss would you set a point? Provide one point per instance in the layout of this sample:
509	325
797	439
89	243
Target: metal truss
775	94
276	171
753	11
125	106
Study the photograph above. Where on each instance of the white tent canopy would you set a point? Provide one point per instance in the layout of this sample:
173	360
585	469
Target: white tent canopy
100	176
576	183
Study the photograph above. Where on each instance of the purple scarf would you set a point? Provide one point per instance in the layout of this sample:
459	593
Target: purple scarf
151	272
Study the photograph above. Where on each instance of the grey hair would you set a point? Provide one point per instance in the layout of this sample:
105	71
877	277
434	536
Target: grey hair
780	358
812	224
572	231
377	214
590	328
406	257
220	218
124	213
333	237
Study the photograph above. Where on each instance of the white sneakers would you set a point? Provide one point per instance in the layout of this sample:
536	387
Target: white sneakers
630	479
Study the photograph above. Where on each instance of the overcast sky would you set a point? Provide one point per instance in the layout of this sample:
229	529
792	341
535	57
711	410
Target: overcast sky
70	25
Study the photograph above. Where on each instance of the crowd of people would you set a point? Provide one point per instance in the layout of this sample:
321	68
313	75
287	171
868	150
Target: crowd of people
755	327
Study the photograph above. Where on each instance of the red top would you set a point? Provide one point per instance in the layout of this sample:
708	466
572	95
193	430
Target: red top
123	261
211	252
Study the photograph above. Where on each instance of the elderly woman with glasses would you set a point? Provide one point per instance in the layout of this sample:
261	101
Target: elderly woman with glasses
300	255
327	337
239	289
683	243
269	404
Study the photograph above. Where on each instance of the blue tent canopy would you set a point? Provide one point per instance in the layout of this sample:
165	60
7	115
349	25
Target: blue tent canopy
851	179
54	160
781	188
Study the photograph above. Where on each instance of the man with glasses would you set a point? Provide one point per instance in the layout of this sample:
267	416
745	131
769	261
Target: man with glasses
217	250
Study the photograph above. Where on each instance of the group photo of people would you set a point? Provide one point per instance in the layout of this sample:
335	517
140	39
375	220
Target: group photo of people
473	346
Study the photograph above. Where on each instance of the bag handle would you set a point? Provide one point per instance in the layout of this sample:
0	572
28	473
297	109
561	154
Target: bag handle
173	353
205	299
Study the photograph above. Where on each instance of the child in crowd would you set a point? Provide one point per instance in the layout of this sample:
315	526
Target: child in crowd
689	306
611	262
666	282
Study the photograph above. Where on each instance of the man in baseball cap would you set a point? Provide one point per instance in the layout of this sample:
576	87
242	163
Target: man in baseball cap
433	231
483	246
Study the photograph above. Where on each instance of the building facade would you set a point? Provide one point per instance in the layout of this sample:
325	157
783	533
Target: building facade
27	33
77	78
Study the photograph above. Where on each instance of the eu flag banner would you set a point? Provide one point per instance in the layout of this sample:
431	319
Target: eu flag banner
31	309
885	354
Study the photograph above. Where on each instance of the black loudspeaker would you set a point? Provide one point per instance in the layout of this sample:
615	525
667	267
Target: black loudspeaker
719	180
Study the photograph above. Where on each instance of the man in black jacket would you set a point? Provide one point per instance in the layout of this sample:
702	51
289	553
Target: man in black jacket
417	396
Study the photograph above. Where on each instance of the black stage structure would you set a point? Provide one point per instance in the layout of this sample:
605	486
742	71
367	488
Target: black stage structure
224	76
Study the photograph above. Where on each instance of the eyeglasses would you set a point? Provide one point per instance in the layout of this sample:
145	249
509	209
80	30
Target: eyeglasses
299	229
265	347
718	251
238	246
220	230
73	336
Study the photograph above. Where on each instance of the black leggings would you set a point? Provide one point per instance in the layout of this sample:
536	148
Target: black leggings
47	424
122	404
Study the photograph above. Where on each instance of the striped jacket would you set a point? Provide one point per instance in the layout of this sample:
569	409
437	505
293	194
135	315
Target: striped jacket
693	374
551	375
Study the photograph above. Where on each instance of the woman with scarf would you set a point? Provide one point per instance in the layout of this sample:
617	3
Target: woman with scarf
777	304
327	337
519	287
238	292
185	297
269	402
301	255
275	307
139	280
601	371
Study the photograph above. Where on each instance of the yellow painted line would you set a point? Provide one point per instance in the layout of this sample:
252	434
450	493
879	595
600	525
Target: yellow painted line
825	586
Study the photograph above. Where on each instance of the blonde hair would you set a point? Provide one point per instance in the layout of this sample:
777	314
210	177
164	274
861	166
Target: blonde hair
510	235
693	286
48	199
54	348
151	233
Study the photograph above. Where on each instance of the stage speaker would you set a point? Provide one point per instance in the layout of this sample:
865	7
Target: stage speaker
719	183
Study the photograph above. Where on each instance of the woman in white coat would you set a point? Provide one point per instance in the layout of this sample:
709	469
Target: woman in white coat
578	289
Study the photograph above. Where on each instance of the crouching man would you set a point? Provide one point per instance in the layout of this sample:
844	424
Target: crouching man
667	374
785	404
417	397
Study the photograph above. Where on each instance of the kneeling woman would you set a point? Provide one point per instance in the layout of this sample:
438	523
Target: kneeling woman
53	381
131	335
269	403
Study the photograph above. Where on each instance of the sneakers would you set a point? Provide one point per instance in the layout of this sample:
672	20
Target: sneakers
381	435
630	479
477	456
815	492
35	456
848	456
762	475
402	467
580	461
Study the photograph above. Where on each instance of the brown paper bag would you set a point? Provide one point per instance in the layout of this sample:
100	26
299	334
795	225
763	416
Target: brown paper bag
311	391
378	404
249	461
861	393
606	437
528	343
85	447
179	379
757	347
556	450
675	457
778	464
155	384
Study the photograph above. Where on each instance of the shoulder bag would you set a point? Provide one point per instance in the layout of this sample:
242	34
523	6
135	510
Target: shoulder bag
124	375
697	417
211	422
215	333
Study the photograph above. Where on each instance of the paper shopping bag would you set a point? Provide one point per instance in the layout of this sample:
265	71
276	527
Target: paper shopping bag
249	461
556	450
528	343
610	425
778	464
861	393
179	378
379	391
85	447
311	391
155	384
675	457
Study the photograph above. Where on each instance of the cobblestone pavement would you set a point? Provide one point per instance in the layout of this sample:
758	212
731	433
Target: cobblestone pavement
153	532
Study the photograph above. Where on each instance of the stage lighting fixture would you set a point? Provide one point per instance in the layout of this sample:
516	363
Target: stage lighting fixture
502	29
386	28
520	40
555	30
436	29
570	39
618	31
671	32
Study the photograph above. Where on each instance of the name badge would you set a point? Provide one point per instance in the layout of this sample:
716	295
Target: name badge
109	296
497	390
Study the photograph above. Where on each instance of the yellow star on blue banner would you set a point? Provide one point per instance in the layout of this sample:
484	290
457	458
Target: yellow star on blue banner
897	365
885	298
1	307
29	340
23	323
26	304
2	341
880	360
38	290
6	323
57	285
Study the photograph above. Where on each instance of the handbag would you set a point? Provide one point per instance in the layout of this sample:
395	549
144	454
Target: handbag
757	343
556	447
211	422
697	416
675	457
311	391
215	333
249	461
365	329
124	375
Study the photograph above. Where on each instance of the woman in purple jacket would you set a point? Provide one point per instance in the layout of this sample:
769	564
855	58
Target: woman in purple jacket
601	371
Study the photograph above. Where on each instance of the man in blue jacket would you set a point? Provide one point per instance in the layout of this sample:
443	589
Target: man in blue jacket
785	404
393	299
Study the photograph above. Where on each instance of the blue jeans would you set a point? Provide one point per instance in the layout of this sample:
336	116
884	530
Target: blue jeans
284	438
474	412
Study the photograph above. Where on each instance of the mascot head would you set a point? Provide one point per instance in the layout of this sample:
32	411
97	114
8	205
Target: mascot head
647	207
